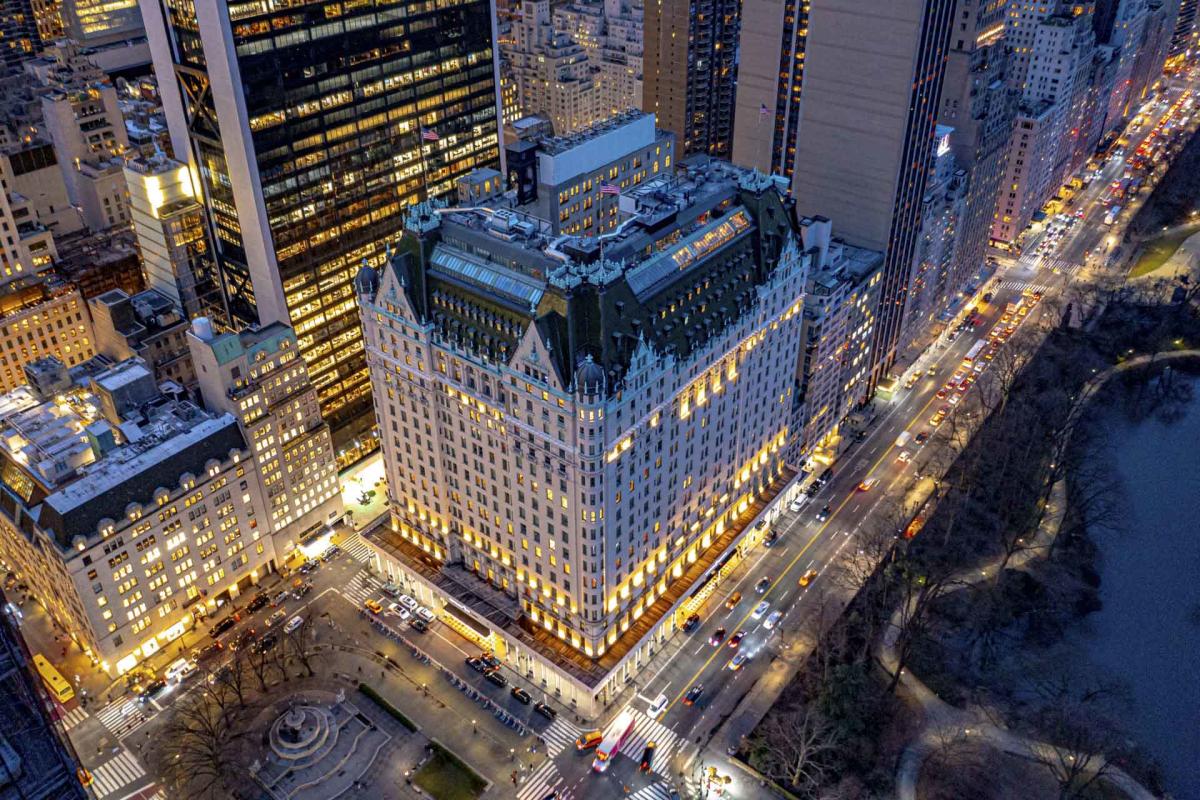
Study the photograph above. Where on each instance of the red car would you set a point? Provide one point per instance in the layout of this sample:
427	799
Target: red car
736	639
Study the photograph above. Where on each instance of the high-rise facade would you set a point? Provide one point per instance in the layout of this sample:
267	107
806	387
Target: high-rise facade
770	79
865	133
1183	38
978	105
310	131
689	71
549	415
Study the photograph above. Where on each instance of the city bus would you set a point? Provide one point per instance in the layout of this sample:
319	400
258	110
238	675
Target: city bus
614	737
55	683
973	353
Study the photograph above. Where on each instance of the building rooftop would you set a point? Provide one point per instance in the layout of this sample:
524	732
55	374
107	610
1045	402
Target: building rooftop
677	271
110	439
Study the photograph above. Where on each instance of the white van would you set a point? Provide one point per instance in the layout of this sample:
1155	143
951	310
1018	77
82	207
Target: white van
293	623
180	669
658	706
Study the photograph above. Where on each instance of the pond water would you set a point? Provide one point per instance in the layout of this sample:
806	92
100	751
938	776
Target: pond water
1148	633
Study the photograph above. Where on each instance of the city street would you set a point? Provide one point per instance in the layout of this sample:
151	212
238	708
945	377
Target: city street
507	740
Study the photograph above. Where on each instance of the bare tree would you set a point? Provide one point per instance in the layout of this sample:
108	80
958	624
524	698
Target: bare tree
232	678
199	753
919	586
796	748
299	643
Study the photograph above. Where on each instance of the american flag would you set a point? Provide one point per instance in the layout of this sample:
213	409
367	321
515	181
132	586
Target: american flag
429	134
609	188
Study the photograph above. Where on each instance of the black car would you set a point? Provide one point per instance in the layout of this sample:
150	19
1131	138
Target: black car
520	694
824	513
495	677
922	437
301	590
691	623
771	539
260	601
762	585
647	756
207	652
331	553
222	626
419	624
153	690
693	695
266	643
545	710
476	664
490	660
312	565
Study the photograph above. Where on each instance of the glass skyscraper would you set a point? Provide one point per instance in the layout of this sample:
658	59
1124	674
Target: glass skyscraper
310	127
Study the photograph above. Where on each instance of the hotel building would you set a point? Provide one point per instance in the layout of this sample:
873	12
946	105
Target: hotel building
550	407
310	129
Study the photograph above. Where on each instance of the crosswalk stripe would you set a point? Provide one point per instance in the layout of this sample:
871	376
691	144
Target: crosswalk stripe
559	736
646	730
358	549
115	773
544	779
122	717
73	718
655	791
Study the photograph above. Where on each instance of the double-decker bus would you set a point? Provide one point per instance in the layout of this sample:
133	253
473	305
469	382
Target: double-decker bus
973	353
55	683
614	737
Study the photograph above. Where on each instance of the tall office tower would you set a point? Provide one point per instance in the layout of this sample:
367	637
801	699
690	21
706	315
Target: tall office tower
770	77
978	105
553	74
689	71
172	238
1023	19
576	444
866	133
19	35
310	132
1050	121
1183	38
38	763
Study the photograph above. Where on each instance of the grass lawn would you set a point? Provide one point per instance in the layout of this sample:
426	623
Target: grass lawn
1158	252
445	777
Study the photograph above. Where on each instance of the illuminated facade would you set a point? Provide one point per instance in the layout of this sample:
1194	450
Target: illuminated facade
689	71
840	307
310	128
44	317
550	417
258	376
138	513
99	22
171	235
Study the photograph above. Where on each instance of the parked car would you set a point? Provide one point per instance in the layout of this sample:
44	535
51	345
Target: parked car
280	598
259	600
545	710
265	643
691	623
331	553
207	652
293	623
152	689
419	624
301	590
425	614
222	626
476	664
771	539
245	637
490	660
520	695
180	669
495	677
